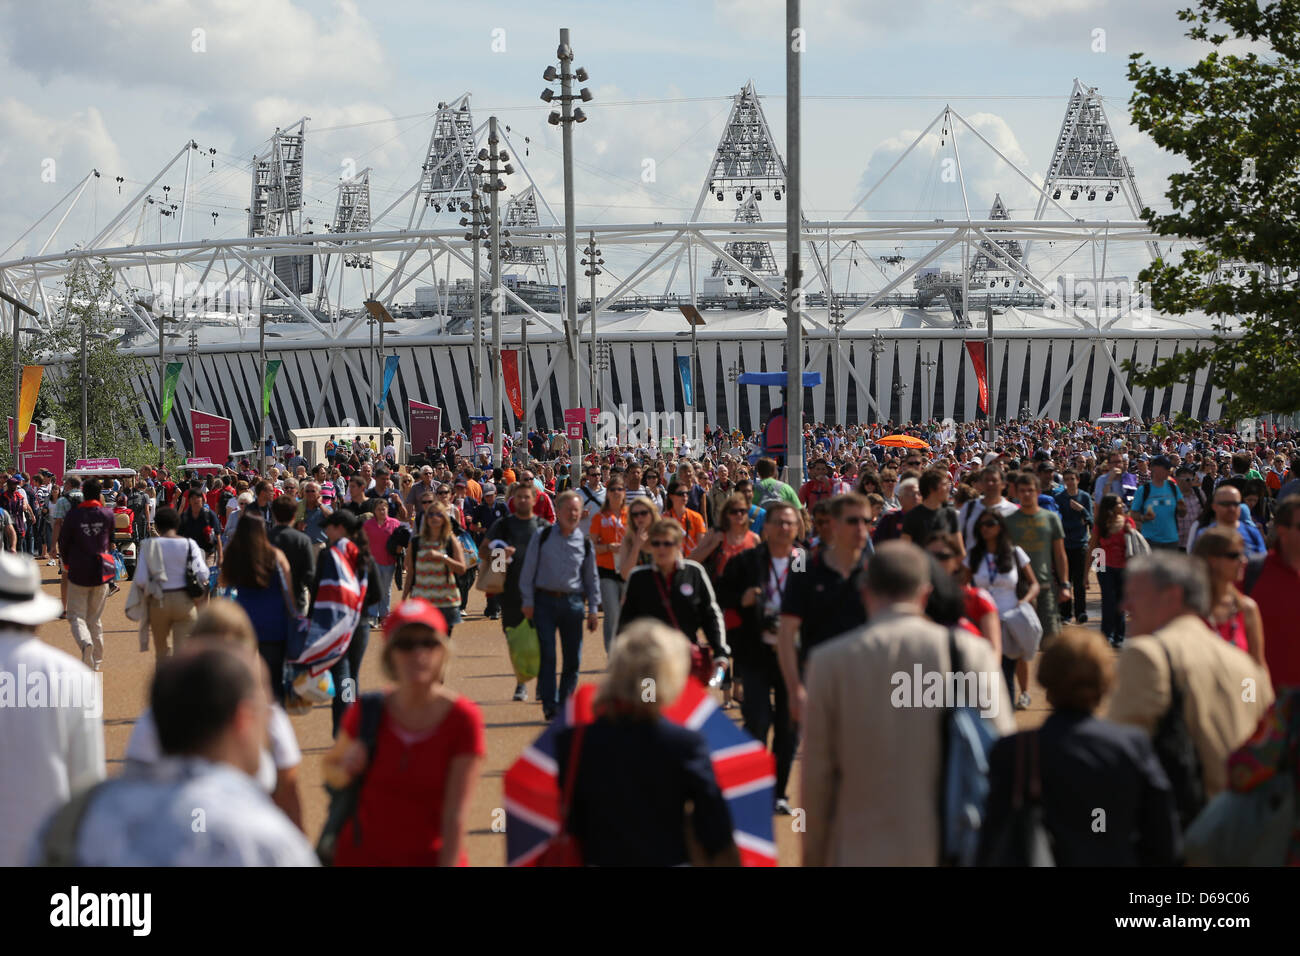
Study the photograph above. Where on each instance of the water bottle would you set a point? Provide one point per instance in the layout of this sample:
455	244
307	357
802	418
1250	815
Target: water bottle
719	674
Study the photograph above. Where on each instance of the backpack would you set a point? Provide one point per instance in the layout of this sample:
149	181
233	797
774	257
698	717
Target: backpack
1177	753
1024	839
59	842
345	803
770	495
967	740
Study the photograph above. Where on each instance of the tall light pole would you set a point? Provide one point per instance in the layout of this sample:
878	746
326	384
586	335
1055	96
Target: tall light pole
794	274
593	262
603	358
567	117
878	349
733	376
497	164
838	322
928	364
475	236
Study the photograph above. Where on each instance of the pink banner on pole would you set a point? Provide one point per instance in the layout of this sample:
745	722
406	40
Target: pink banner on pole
478	433
593	416
574	430
426	424
211	436
38	451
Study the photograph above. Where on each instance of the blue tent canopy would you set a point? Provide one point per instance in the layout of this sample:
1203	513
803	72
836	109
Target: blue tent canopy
777	379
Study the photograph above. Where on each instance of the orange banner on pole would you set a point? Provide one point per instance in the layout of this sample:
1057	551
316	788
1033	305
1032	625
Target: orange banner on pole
27	397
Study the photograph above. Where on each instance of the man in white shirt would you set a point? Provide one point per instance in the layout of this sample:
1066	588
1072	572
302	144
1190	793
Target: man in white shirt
51	710
211	708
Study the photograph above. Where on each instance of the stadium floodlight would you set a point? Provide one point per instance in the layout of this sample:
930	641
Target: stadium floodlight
548	94
554	118
550	75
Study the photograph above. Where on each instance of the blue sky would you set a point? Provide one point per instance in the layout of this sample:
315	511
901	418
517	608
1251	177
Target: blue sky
120	87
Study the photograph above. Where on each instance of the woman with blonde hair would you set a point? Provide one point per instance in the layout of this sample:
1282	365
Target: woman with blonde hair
1233	614
433	560
635	549
423	761
637	772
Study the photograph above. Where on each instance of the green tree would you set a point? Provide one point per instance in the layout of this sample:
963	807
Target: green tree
117	426
1235	119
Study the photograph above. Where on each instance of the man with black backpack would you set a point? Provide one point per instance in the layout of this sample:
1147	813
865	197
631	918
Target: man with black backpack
1216	695
506	540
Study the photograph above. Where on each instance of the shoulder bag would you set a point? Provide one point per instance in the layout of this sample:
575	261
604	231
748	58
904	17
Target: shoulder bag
1177	752
1024	839
345	803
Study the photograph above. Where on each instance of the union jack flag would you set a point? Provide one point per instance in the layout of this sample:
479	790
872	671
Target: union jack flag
340	599
743	766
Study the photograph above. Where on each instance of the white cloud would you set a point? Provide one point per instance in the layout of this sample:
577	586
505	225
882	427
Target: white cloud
245	44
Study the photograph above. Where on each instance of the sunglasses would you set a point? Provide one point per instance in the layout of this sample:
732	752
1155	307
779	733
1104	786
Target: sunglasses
639	514
676	494
428	501
944	555
443	492
411	643
737	511
663	544
856	520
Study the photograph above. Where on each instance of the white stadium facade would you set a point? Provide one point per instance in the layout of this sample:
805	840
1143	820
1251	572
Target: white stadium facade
891	307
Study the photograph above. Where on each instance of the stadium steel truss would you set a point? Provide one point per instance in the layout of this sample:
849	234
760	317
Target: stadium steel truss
1057	329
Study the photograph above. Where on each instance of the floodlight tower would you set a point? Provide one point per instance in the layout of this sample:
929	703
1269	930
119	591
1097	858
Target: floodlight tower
1087	160
447	176
351	215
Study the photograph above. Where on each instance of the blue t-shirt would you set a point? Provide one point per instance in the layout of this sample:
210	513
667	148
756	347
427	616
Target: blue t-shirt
1163	499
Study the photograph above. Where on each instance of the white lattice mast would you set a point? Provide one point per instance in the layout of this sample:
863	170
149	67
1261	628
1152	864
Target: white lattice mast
521	210
351	215
447	176
1087	160
986	260
276	205
757	256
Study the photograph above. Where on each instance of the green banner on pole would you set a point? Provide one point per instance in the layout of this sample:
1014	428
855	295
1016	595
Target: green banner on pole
169	387
272	370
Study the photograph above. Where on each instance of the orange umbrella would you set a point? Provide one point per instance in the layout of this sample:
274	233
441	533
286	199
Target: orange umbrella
902	441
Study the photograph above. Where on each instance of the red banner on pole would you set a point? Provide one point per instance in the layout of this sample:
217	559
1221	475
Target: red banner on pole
426	424
38	450
510	373
211	436
976	352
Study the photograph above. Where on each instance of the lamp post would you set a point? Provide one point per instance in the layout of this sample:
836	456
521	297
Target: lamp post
593	262
565	118
733	376
793	271
475	236
900	389
928	364
877	349
498	164
838	322
603	358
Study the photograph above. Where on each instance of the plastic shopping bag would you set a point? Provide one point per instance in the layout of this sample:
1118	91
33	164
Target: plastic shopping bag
525	650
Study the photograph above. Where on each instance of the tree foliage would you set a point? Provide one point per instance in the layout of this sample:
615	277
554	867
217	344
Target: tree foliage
1235	119
117	427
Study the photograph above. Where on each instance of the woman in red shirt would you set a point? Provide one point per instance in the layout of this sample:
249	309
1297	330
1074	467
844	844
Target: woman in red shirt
426	759
1234	615
1110	535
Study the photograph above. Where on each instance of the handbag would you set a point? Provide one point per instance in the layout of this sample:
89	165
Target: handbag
1135	545
1022	632
490	580
1177	753
469	544
344	803
1024	839
193	586
563	848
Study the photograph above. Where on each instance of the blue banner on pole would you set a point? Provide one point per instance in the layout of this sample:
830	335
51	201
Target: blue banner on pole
390	369
684	367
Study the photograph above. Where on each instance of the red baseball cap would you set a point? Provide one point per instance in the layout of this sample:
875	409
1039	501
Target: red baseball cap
414	611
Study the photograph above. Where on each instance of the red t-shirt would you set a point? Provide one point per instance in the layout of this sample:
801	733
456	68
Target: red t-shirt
1275	591
977	604
401	802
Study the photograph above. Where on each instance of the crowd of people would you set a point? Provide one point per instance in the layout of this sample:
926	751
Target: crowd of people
801	603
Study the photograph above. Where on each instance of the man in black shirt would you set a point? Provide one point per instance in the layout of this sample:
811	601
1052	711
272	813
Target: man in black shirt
508	538
200	524
933	514
752	585
820	599
357	502
297	547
